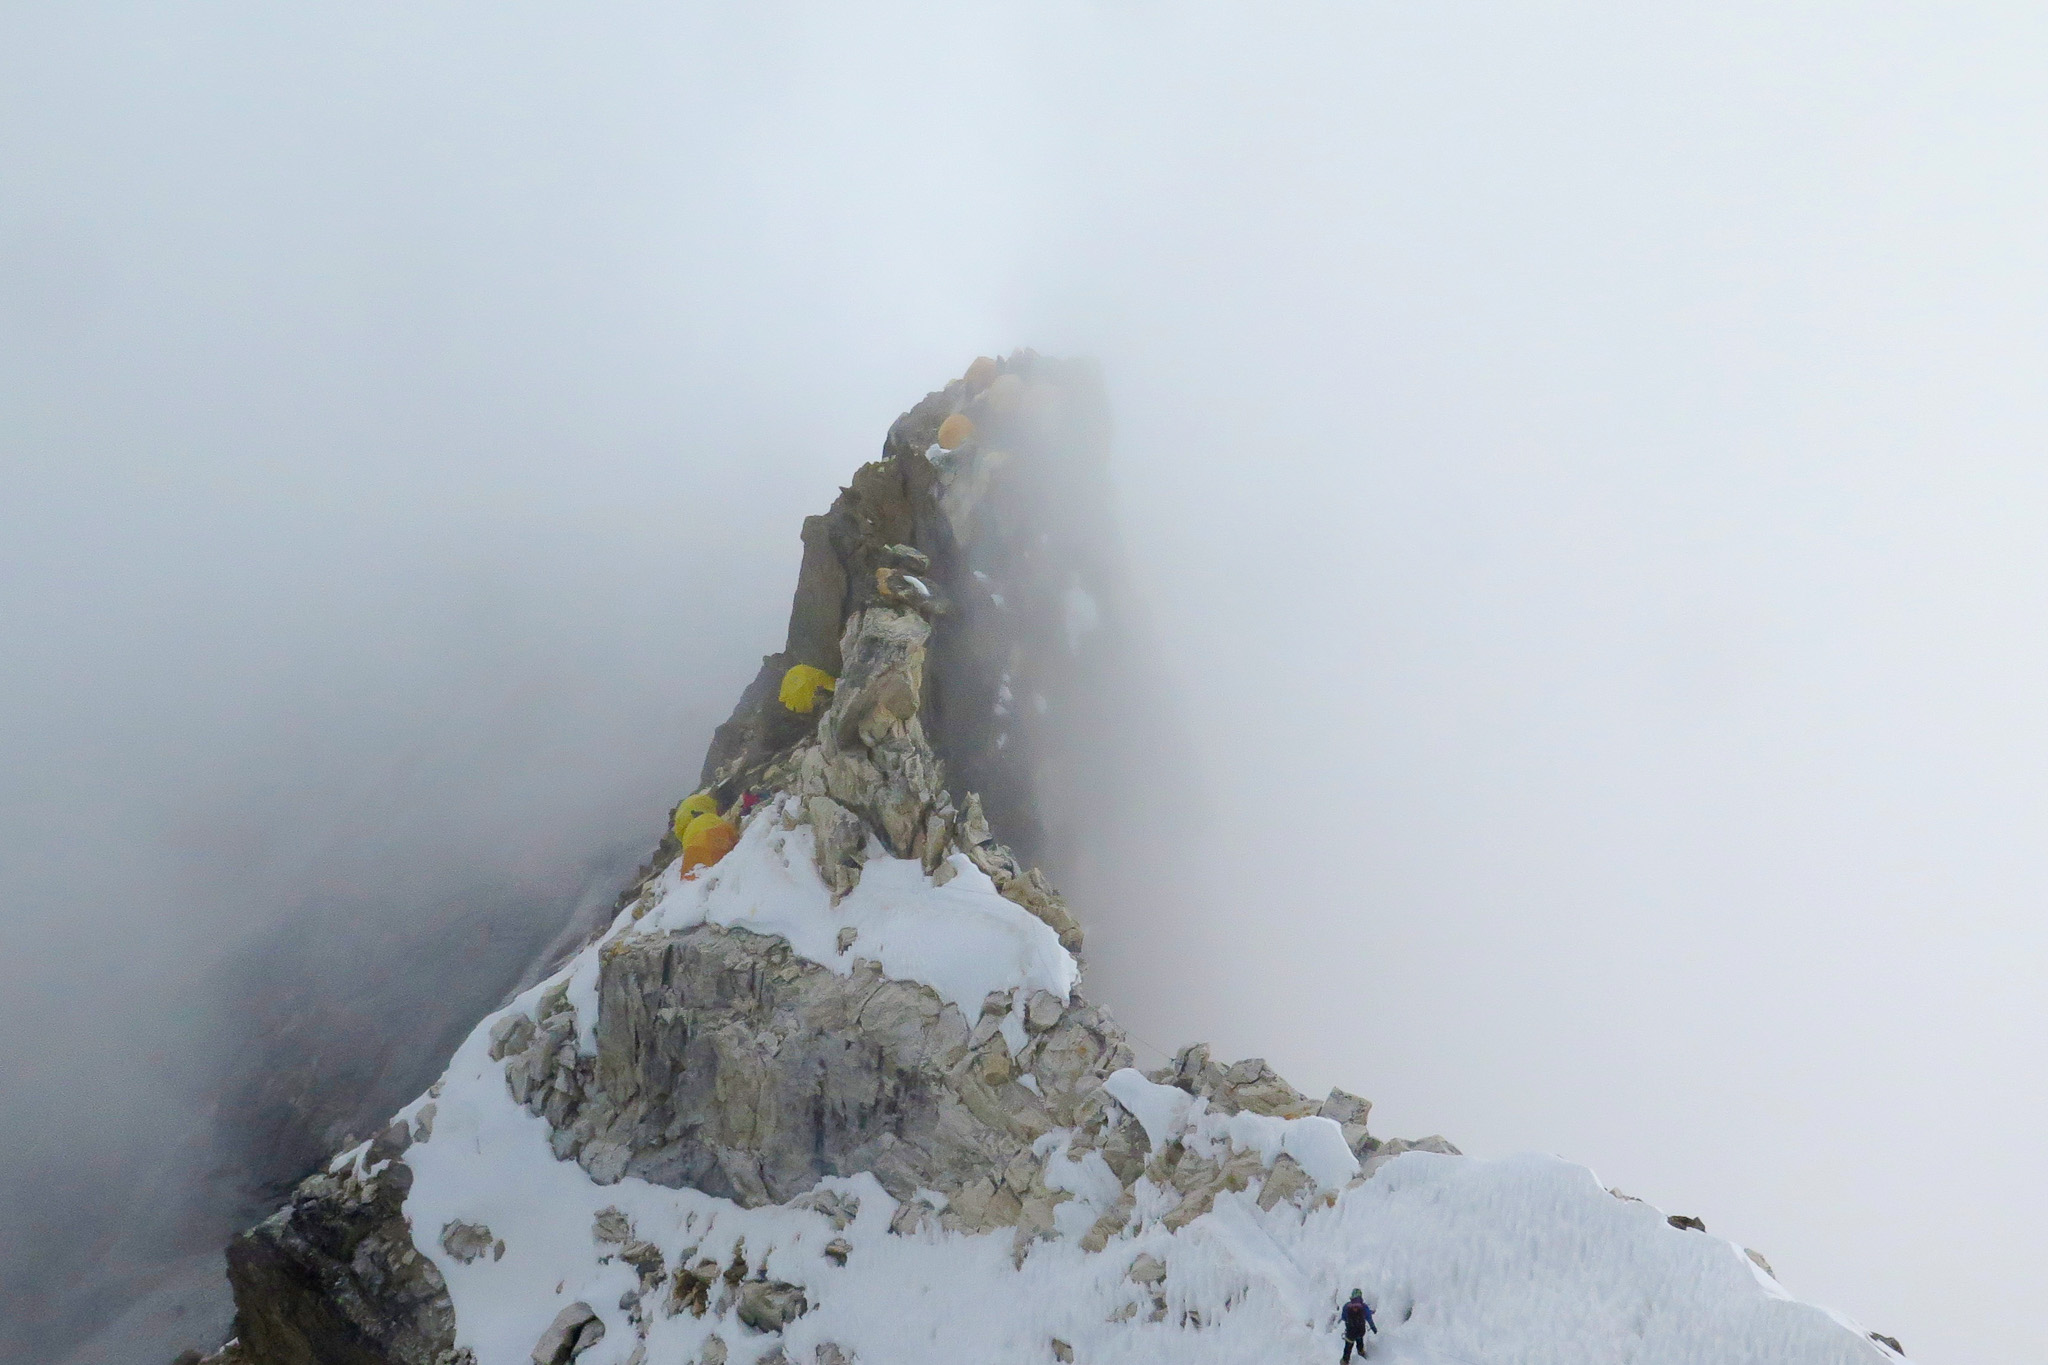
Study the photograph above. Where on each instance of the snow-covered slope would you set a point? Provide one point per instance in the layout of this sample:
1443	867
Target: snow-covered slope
1465	1261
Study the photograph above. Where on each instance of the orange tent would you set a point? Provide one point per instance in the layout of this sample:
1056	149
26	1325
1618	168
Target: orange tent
955	431
706	841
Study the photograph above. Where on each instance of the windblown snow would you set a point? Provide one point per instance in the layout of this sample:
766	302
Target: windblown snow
1465	1261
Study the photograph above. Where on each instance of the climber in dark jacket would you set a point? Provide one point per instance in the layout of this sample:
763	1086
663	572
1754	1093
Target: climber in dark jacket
1357	1317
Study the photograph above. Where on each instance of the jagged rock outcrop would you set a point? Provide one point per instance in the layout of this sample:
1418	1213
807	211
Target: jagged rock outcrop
945	590
1247	1085
333	1278
728	1064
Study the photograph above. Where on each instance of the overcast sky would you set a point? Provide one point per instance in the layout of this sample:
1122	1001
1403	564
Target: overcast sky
1586	462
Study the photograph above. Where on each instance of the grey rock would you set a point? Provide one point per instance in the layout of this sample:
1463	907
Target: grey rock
911	1217
1025	887
909	557
690	1289
575	1330
1118	1217
760	730
1125	1148
333	1277
879	697
1062	1352
1249	1086
771	1305
818	610
1345	1107
839	844
1393	1147
841	1209
611	1225
390	1144
1761	1264
1200	1179
728	1064
1147	1269
509	1035
994	1010
872	756
644	1257
606	1161
466	1242
1043	1012
714	1351
1283	1182
1889	1343
1686	1222
1350	1111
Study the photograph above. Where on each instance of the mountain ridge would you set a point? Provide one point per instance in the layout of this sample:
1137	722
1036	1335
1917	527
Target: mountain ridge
832	1043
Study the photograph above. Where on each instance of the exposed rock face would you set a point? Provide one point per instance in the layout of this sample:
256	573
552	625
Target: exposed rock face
950	596
849	555
770	1305
333	1278
728	1064
575	1330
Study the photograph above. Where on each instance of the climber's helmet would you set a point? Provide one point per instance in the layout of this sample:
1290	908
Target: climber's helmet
1358	1293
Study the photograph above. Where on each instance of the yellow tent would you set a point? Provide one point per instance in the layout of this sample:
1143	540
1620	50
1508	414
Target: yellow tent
703	803
801	685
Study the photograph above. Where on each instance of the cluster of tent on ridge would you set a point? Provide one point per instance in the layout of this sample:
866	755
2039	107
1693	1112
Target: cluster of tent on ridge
708	834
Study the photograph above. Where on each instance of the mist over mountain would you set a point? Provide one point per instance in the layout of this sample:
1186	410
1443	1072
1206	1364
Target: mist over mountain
824	1081
1580	468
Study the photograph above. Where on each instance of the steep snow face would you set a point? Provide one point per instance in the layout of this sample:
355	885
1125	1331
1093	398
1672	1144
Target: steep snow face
1464	1261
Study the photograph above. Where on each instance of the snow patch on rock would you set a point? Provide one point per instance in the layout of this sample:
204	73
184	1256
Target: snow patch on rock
961	938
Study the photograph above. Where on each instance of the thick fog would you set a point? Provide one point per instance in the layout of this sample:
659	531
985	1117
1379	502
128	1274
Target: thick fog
1586	464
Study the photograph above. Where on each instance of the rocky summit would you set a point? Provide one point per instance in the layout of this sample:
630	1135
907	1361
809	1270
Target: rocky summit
824	1083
